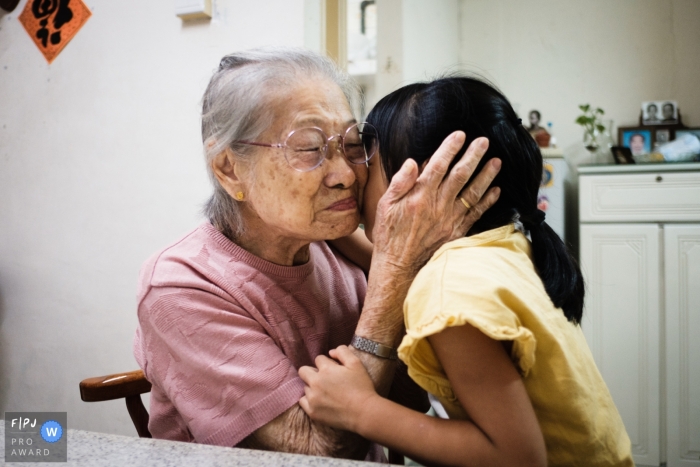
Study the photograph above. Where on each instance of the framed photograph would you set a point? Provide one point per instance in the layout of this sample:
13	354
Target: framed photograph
662	136
660	113
622	155
638	139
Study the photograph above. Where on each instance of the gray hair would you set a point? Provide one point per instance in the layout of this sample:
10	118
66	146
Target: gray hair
235	108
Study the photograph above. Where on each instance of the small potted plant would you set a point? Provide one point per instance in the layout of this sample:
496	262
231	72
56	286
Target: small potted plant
596	135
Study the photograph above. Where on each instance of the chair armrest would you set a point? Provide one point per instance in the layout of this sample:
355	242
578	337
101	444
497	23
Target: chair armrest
116	386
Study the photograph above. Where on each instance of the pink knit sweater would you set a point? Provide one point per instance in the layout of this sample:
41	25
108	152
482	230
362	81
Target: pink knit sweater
222	333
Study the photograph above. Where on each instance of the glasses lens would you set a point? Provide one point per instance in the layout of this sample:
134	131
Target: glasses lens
360	143
305	149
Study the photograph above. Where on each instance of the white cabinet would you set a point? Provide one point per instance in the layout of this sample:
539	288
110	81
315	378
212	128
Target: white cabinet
640	255
682	273
621	323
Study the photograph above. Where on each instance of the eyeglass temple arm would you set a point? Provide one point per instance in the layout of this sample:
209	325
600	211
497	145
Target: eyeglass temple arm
252	143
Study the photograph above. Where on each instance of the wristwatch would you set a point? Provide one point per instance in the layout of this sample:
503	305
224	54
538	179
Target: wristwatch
375	348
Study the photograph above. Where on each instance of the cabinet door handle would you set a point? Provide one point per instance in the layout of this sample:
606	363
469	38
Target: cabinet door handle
659	178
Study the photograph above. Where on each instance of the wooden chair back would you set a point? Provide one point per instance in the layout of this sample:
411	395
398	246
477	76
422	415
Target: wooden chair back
128	386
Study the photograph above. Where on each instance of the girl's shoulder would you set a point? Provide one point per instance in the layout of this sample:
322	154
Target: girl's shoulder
493	259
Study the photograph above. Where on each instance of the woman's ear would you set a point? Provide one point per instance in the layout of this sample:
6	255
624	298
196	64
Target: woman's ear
229	171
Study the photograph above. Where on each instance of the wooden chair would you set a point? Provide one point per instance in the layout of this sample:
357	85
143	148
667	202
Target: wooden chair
129	386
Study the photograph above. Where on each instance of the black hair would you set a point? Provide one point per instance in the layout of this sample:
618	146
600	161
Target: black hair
413	121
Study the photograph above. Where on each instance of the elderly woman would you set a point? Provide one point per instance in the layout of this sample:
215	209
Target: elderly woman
230	312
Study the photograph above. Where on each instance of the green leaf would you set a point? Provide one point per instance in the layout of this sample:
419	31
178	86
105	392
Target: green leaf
584	107
582	120
600	128
599	111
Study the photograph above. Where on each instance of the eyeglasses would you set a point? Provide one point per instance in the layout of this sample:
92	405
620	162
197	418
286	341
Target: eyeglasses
306	148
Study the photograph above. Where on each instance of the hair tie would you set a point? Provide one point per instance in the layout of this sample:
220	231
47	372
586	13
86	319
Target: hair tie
538	217
519	121
535	219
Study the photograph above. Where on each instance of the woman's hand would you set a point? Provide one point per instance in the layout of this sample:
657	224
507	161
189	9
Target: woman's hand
418	214
336	393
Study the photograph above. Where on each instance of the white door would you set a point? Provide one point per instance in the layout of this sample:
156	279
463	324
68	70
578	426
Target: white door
622	325
682	273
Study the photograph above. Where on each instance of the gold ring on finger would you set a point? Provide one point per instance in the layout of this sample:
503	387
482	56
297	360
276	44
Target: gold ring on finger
466	205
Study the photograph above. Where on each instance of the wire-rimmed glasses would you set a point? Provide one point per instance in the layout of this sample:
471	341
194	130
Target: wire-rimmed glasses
306	148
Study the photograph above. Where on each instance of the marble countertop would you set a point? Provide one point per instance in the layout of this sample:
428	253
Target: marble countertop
87	448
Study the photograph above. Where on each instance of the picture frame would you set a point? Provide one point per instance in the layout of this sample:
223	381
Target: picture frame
640	140
622	155
662	135
660	113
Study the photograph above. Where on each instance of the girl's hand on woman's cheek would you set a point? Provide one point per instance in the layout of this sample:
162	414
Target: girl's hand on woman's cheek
337	393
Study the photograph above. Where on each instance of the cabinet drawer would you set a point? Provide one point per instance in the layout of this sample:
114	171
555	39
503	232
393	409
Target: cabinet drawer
653	197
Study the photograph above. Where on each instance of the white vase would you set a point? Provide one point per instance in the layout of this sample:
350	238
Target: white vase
598	144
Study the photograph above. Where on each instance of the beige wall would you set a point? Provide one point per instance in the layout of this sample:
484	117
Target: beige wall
686	57
553	55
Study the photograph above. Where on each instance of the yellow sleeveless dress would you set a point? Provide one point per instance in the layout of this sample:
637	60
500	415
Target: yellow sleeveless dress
489	281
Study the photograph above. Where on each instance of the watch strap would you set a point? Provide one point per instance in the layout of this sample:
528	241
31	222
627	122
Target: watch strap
374	348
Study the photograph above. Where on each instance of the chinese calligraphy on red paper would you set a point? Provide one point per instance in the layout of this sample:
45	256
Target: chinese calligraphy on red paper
53	23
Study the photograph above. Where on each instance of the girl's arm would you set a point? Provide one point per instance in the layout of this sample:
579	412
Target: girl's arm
356	248
503	429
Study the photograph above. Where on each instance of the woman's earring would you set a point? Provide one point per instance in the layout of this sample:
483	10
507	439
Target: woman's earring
240	196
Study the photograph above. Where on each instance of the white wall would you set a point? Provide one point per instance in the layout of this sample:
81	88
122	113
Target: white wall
431	38
390	34
552	56
101	165
416	41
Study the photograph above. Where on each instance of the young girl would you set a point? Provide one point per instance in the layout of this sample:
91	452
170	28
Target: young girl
492	321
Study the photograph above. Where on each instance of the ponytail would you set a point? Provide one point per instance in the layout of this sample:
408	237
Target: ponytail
556	266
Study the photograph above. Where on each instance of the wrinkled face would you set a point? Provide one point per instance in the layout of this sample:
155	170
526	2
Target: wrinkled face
376	187
321	204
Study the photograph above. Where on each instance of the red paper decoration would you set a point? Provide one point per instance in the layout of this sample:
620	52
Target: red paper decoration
53	23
